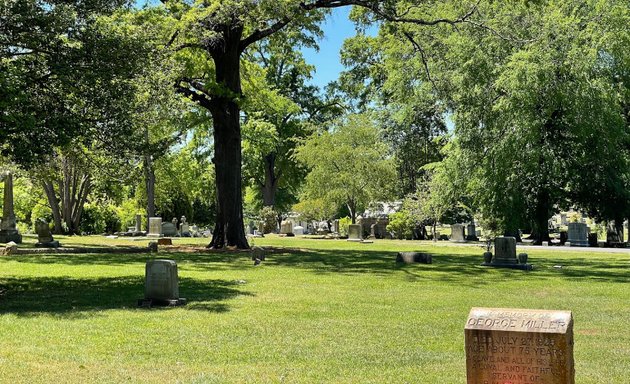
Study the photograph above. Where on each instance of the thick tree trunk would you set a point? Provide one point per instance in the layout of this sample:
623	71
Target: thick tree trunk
541	224
270	187
149	180
229	229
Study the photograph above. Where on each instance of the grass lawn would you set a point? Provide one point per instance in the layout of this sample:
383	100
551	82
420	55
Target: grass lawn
321	311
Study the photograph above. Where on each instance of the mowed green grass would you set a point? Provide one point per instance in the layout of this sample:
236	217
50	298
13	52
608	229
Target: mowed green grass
316	311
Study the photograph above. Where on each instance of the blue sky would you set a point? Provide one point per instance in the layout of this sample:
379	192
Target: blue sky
327	60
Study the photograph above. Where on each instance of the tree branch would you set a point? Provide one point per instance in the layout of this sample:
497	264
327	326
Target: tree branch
261	34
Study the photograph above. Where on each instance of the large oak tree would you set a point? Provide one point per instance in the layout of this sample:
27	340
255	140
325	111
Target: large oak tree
211	37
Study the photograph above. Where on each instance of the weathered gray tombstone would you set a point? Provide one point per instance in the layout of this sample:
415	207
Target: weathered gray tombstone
286	227
161	284
457	233
505	255
578	235
184	230
414	257
472	233
155	227
298	231
519	346
44	236
169	229
376	231
355	232
8	226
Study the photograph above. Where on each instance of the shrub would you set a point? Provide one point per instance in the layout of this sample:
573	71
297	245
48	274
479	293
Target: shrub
269	218
343	225
401	224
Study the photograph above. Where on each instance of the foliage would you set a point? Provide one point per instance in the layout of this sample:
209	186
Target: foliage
401	224
344	223
100	218
315	209
269	219
68	74
348	165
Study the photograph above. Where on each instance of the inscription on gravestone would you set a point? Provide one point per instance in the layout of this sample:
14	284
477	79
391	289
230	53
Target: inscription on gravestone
519	346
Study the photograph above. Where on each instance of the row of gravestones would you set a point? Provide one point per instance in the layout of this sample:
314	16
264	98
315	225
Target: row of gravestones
159	229
502	345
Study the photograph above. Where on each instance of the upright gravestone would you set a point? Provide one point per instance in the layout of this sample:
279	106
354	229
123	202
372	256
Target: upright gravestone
457	233
298	231
286	227
519	346
505	254
578	235
8	226
472	232
44	236
161	284
169	229
155	227
354	232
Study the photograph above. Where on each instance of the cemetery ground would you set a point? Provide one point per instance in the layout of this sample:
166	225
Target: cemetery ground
315	311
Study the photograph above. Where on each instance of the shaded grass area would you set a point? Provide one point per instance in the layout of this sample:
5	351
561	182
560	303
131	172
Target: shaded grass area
315	311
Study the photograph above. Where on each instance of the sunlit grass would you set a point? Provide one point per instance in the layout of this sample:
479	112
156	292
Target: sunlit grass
316	311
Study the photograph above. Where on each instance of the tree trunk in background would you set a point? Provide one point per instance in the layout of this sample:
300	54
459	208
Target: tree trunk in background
541	224
270	187
149	179
67	201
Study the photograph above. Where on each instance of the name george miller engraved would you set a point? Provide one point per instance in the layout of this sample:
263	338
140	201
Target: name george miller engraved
519	346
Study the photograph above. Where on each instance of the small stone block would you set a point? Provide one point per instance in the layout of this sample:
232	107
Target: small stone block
414	257
165	241
519	346
545	243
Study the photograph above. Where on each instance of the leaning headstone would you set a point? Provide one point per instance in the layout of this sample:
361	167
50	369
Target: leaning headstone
298	231
44	236
169	229
472	233
578	235
8	226
155	227
457	233
354	232
161	284
519	346
505	255
413	257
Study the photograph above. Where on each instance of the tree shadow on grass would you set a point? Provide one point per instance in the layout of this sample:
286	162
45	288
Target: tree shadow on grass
78	298
448	267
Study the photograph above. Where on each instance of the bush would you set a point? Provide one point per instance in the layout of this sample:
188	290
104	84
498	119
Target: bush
269	218
401	224
99	218
343	225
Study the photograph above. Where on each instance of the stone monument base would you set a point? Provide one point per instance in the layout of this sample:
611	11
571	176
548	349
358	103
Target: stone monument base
523	267
8	236
48	244
148	303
